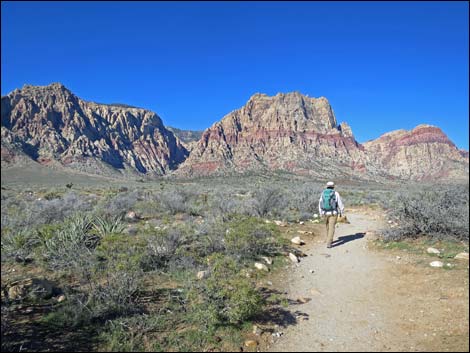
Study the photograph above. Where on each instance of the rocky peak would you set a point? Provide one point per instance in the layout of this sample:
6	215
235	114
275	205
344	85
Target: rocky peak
56	125
284	131
424	152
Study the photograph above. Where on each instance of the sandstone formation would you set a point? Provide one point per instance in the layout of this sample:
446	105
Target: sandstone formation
295	133
53	126
424	153
288	132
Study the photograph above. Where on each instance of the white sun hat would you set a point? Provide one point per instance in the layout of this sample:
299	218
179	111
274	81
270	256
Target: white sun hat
329	184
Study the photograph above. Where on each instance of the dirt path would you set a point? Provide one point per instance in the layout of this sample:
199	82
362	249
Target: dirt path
363	300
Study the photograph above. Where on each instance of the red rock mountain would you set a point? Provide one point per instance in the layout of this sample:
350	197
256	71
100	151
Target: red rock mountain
289	132
53	126
299	134
424	153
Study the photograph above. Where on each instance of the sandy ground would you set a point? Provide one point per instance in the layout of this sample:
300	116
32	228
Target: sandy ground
360	299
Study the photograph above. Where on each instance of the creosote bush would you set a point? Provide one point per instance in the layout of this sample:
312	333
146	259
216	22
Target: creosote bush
439	212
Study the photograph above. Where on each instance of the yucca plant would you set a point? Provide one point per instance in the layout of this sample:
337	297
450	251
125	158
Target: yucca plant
108	225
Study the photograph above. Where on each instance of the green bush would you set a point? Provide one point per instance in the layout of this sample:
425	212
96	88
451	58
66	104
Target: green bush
226	297
249	237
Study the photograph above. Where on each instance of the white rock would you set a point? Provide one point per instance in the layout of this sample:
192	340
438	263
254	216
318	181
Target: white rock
267	260
315	216
261	267
293	258
436	264
433	251
60	298
202	274
301	222
297	241
462	256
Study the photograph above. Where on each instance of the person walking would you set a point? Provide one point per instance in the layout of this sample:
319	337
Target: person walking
330	206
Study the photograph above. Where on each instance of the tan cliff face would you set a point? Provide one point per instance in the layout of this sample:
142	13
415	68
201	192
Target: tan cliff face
288	131
424	153
50	124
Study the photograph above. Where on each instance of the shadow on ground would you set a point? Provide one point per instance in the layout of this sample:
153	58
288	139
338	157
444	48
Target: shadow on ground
347	238
276	314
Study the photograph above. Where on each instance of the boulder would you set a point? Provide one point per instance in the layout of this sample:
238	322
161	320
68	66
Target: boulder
293	258
261	267
297	241
436	264
462	256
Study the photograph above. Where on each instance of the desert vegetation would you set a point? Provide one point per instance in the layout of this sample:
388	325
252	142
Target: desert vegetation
149	266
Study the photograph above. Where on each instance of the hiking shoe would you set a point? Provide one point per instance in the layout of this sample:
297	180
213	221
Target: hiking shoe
329	246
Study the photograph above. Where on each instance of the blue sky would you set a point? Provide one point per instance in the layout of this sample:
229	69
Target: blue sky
382	65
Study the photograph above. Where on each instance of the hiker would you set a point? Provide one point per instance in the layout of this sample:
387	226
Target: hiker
330	205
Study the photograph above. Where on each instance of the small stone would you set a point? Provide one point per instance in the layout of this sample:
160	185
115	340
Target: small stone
301	222
432	251
297	241
261	267
202	274
462	256
398	257
269	283
256	330
251	344
131	216
436	264
293	258
303	300
312	271
60	298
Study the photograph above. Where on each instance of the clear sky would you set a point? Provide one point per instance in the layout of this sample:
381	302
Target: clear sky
382	65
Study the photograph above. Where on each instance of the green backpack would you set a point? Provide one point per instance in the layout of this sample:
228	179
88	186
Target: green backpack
329	202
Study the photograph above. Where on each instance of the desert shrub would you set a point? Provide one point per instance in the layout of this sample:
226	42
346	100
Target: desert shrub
226	297
249	237
22	214
437	211
118	205
164	247
103	295
268	201
177	201
122	251
209	237
304	198
19	245
128	334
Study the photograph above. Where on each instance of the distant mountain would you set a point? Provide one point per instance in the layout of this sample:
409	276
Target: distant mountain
189	138
288	132
299	134
52	126
424	153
